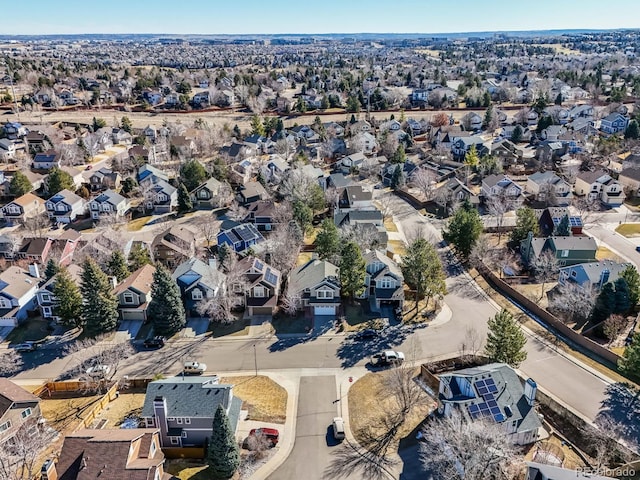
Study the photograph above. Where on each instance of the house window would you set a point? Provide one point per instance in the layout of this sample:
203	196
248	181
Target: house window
324	294
5	426
564	254
174	441
196	294
152	450
179	421
387	282
46	311
4	303
574	274
187	421
26	413
184	434
170	419
127	297
258	292
150	422
203	194
45	297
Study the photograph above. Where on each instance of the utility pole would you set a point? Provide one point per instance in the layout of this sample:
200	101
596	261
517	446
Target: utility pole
255	359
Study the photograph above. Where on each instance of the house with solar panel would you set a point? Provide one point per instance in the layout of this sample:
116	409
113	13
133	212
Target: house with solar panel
241	237
260	286
495	393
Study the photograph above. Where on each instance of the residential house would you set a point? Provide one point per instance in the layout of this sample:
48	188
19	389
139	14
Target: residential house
452	192
365	222
506	151
581	111
138	153
45	298
334	128
592	275
148	174
65	207
492	393
35	250
261	286
174	246
108	203
474	122
134	294
241	237
599	185
114	453
360	126
502	187
46	160
7	149
614	123
252	192
261	213
207	194
104	179
317	282
121	137
550	151
507	132
338	181
19	409
353	161
552	133
367	142
14	130
23	208
236	151
183	409
75	174
65	245
276	169
18	289
198	282
549	187
541	471
161	197
384	283
462	145
201	99
389	169
355	197
567	250
550	219
151	97
184	145
532	118
629	178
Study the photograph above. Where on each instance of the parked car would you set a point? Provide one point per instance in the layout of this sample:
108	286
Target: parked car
638	248
194	368
89	167
99	371
366	334
25	347
270	434
338	428
155	342
386	358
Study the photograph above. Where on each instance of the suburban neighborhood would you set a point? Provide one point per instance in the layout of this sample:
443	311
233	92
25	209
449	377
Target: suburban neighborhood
320	256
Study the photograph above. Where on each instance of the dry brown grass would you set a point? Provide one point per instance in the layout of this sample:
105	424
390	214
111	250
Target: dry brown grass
126	405
65	413
397	246
604	253
187	469
264	398
303	258
390	225
370	404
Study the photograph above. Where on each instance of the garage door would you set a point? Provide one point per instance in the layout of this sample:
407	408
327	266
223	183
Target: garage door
325	310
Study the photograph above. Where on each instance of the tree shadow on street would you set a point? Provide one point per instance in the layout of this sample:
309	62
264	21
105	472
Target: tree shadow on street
621	408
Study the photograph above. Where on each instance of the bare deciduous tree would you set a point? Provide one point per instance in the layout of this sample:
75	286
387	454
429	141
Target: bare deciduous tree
208	228
614	326
20	455
230	294
545	268
498	206
37	226
471	344
424	180
604	440
572	303
291	302
10	362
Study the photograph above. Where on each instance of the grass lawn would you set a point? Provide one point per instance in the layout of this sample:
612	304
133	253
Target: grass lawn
629	229
303	258
237	328
64	413
533	290
390	226
32	330
138	223
285	324
370	403
309	238
397	246
188	469
127	405
264	398
604	253
356	315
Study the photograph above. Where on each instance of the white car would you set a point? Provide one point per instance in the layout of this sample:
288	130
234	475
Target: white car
99	371
194	368
338	428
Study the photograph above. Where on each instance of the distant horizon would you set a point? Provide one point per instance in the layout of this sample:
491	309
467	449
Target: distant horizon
254	17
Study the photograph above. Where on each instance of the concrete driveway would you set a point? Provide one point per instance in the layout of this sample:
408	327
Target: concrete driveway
127	330
195	327
311	453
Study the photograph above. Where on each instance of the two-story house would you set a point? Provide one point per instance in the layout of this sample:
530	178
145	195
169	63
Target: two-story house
581	111
7	149
23	208
599	185
355	197
198	282
183	409
383	281
104	179
18	289
134	454
207	194
567	250
549	187
35	250
629	178
461	146
317	282
502	187
592	275
108	203
614	123
134	294
261	213
241	237
14	130
492	393
161	197
174	246
46	299
65	207
19	409
46	160
261	286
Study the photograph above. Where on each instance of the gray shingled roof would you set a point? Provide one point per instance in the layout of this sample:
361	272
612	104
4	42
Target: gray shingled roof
195	397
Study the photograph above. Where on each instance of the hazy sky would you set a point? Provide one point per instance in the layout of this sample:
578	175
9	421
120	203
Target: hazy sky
304	16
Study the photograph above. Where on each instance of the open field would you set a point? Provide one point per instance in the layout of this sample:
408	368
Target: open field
629	230
64	413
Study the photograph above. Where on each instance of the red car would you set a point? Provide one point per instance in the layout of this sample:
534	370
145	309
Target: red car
270	434
89	167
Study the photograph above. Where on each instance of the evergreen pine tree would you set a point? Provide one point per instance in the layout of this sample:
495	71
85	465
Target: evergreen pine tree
327	240
51	269
564	227
464	229
223	455
516	135
632	277
397	179
100	306
184	200
19	184
117	266
526	222
58	180
422	270
629	364
138	257
166	309
605	303
505	340
352	270
192	174
622	296
68	304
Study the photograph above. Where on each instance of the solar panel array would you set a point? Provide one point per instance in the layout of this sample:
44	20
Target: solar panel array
487	389
573	221
270	277
259	265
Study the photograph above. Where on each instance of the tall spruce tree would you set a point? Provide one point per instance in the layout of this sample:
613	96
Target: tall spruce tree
68	305
100	306
464	229
629	364
184	199
117	266
622	296
505	340
166	309
328	240
19	184
422	270
352	270
223	454
51	269
526	222
139	257
632	277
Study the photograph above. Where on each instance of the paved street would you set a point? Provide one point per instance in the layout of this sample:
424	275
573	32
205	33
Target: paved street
311	453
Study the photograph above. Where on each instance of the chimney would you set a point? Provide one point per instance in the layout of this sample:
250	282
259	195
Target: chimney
530	389
48	471
114	282
213	263
34	271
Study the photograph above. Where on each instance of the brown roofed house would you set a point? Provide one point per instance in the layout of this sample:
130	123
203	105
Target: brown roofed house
174	246
18	408
134	294
23	208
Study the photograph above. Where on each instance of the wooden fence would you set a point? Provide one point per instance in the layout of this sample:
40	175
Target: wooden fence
90	417
191	452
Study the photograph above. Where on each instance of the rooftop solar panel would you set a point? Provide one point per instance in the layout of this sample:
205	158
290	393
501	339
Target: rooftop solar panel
483	390
499	417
